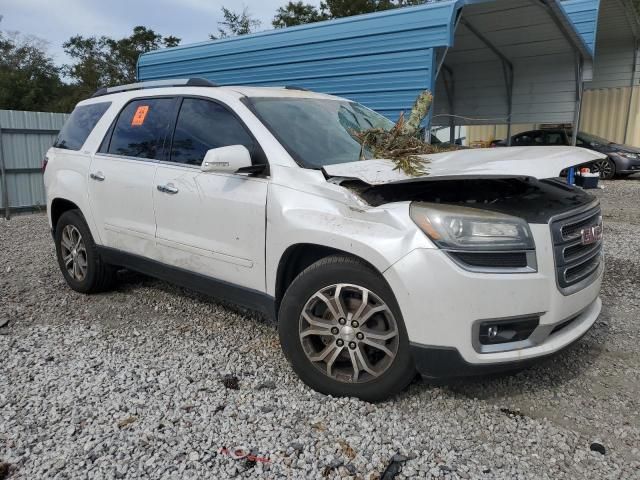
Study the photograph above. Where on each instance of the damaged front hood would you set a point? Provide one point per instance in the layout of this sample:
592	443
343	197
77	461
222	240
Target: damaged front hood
537	162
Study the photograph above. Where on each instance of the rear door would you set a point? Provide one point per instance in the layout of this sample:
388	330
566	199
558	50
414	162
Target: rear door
67	154
121	176
208	222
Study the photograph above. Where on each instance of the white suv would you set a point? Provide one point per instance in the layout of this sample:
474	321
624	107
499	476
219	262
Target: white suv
258	196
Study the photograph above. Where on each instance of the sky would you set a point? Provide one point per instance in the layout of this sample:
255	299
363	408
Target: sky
192	20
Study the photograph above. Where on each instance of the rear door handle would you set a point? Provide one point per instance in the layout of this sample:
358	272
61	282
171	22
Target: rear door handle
168	188
98	176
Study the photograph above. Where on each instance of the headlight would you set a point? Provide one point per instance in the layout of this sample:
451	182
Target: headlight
462	228
632	156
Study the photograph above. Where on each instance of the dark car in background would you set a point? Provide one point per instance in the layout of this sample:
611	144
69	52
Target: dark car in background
622	160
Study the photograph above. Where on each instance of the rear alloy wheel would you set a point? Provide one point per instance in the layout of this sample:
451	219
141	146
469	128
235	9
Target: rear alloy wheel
341	329
605	167
74	253
78	256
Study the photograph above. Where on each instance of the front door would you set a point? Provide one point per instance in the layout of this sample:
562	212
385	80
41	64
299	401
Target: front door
122	172
207	222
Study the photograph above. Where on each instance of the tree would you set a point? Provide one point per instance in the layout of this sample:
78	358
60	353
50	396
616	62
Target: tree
235	24
103	61
125	52
297	13
347	8
29	78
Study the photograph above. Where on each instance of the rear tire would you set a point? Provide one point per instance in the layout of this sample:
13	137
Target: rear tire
78	256
371	360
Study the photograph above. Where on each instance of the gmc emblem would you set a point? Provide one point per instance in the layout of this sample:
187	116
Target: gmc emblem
591	234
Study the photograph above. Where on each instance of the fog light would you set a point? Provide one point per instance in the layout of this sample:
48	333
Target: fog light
492	332
504	331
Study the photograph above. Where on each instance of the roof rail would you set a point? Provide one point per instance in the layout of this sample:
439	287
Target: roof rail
293	87
179	82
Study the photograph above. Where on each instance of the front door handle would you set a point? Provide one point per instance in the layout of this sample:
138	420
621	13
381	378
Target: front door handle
98	176
168	188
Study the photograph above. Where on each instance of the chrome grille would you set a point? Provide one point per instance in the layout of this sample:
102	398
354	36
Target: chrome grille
575	262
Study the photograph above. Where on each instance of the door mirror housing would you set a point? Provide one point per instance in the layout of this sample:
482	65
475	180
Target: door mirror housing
226	159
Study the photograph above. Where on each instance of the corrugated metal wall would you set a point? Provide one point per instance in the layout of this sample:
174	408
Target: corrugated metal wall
610	107
615	49
604	113
24	139
542	58
480	134
382	60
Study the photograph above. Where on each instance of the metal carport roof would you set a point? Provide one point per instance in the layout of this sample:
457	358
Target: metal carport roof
612	104
504	60
515	61
617	50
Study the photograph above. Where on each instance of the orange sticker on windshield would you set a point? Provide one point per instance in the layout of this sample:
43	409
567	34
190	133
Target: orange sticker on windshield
140	115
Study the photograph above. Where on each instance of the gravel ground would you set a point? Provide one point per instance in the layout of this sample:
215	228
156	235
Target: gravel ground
136	383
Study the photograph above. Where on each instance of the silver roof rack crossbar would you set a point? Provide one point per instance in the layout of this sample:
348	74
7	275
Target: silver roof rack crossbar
176	82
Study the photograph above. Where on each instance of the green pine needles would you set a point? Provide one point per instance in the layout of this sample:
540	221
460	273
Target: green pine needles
402	144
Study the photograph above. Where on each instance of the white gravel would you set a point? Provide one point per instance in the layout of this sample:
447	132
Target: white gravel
129	384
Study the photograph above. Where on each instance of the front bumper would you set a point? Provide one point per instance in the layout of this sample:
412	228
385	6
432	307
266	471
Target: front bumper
446	362
440	303
626	165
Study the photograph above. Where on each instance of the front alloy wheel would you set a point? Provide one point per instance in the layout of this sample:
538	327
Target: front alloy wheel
348	333
341	329
605	167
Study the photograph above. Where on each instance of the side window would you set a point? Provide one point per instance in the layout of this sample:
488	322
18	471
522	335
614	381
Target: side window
203	125
522	140
79	125
538	139
554	138
142	128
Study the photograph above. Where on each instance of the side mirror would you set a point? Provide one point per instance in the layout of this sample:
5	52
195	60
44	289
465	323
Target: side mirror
226	159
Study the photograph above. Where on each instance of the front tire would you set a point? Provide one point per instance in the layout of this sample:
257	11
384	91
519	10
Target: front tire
78	256
342	331
605	167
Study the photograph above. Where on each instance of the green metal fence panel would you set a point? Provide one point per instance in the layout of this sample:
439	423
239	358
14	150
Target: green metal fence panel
25	137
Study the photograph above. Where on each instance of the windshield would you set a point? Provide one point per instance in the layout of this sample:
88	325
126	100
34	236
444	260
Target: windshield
317	132
588	138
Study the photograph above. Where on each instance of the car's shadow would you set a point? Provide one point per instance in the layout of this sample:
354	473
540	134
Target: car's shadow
550	374
130	281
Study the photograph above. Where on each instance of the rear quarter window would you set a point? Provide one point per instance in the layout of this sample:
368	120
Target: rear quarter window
77	128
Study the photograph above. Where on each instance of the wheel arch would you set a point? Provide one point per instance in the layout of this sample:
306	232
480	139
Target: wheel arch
298	257
58	207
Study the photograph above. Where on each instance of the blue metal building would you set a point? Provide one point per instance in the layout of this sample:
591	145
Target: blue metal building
584	17
488	61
